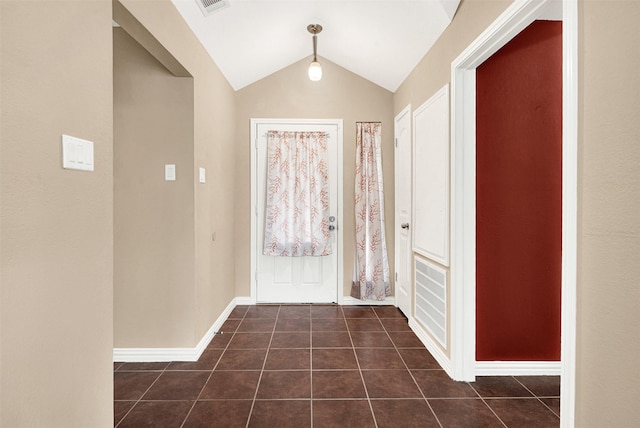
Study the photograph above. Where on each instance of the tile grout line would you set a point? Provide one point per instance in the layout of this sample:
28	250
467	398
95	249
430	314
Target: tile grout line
409	370
487	404
536	396
214	366
311	366
142	395
264	363
355	354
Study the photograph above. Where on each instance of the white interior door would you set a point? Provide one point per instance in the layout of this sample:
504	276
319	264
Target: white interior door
297	279
402	130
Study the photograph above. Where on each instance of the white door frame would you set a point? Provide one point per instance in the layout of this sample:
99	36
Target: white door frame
463	269
397	167
254	184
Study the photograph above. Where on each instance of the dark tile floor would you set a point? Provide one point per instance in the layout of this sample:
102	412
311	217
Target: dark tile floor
323	366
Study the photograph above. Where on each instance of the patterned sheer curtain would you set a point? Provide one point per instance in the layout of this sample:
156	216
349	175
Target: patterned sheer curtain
371	267
297	195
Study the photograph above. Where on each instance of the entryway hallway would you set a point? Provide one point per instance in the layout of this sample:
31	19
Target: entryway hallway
323	366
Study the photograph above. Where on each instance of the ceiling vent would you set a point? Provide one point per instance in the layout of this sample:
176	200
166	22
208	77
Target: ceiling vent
210	6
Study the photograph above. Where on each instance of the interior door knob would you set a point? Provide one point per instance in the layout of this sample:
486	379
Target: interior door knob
405	225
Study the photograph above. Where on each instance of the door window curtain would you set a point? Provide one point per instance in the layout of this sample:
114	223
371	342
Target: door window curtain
297	195
371	267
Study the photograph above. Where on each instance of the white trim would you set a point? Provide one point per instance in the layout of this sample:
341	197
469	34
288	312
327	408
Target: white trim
352	301
515	18
463	212
248	300
254	126
511	22
342	300
518	368
149	355
570	212
152	355
215	328
432	346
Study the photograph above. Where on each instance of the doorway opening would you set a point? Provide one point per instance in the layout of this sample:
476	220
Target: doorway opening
153	116
463	329
519	202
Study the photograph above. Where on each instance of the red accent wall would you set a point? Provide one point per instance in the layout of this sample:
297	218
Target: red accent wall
519	198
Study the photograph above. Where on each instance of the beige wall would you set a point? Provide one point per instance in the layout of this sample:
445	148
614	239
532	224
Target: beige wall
56	255
211	288
290	94
608	378
434	70
153	218
57	232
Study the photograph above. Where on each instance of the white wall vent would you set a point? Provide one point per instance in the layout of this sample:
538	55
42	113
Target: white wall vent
431	299
210	6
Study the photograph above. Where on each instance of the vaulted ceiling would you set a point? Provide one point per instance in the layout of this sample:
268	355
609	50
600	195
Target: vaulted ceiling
381	41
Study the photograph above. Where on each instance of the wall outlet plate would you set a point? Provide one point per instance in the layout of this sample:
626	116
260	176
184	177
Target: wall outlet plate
77	153
170	172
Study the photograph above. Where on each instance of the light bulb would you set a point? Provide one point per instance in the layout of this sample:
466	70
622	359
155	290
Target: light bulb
315	71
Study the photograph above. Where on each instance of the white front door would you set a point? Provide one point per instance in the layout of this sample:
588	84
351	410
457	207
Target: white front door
296	279
403	180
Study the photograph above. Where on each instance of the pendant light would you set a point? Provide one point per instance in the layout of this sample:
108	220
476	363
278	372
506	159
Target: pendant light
315	69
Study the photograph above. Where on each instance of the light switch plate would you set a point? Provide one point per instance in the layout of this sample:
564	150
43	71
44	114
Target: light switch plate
77	153
170	172
202	175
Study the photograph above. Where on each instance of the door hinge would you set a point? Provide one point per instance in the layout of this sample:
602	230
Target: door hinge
396	276
396	142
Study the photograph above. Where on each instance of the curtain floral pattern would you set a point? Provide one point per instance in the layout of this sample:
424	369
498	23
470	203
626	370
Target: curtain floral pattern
371	267
297	195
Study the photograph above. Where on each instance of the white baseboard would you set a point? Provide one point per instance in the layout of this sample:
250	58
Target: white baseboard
431	345
518	368
245	301
348	300
487	368
150	355
344	300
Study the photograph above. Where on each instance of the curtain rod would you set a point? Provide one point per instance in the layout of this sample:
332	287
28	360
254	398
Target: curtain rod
360	121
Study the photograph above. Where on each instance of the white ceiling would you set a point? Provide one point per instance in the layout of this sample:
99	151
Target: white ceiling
381	41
